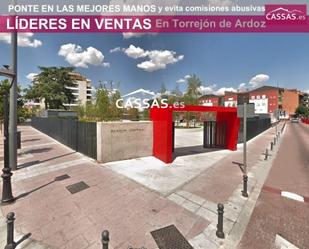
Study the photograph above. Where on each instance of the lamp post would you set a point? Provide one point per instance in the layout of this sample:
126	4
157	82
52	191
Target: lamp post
7	196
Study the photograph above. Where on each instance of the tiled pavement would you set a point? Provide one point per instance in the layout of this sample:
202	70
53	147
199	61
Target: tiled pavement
277	215
59	219
127	209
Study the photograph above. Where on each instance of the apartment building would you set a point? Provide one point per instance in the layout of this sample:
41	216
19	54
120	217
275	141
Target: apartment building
210	100
230	99
82	90
266	99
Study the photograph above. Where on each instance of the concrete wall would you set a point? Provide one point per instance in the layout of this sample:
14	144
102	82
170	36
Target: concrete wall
123	140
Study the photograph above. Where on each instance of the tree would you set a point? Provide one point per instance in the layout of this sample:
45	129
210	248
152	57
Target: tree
302	111
116	113
177	91
163	89
192	94
22	112
51	85
102	103
4	87
194	84
133	113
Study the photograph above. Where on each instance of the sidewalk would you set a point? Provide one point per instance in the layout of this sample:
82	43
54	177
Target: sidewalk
283	219
129	210
60	219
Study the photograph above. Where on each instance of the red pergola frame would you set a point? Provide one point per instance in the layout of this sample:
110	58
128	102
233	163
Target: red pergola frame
162	127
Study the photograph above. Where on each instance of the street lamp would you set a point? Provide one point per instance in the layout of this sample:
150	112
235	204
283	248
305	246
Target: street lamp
7	196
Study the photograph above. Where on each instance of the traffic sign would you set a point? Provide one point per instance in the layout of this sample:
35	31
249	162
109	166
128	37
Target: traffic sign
250	110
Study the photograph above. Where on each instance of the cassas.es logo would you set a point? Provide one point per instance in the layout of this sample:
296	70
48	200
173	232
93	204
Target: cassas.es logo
286	14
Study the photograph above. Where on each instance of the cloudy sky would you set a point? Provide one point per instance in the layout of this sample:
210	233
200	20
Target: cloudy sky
221	61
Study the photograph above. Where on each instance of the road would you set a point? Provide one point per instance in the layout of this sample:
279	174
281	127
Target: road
275	214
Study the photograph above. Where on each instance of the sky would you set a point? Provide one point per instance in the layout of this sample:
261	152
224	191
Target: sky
225	61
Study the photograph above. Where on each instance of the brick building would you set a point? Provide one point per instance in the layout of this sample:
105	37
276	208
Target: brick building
210	100
290	100
267	99
230	99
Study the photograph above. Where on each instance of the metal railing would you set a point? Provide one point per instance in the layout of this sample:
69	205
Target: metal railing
80	136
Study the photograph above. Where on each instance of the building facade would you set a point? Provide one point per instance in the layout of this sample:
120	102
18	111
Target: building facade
230	99
266	99
82	91
210	100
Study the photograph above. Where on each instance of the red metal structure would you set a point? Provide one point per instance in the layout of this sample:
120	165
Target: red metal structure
162	127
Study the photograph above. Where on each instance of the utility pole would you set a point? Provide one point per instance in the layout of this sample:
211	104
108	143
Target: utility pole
13	105
277	109
7	196
245	177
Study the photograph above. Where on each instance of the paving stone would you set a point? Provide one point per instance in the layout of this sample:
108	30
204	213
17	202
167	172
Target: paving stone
210	234
198	200
237	199
176	198
230	213
207	214
211	206
202	242
191	206
184	194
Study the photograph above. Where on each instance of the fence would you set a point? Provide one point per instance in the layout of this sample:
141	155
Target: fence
255	126
214	134
80	136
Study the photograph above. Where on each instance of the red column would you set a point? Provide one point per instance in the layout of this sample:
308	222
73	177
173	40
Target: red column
232	126
162	133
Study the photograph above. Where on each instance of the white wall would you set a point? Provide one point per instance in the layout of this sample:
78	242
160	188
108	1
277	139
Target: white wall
124	140
260	105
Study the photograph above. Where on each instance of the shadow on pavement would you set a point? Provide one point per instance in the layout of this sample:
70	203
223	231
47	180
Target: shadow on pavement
29	164
192	150
41	150
58	178
31	140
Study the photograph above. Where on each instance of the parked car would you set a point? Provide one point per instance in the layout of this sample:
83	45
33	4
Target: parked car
294	120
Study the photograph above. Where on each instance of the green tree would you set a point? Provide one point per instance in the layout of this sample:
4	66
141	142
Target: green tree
102	104
22	112
116	113
51	85
302	111
193	89
191	95
4	87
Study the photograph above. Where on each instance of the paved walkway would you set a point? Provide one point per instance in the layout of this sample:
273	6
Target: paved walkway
60	219
128	209
276	216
